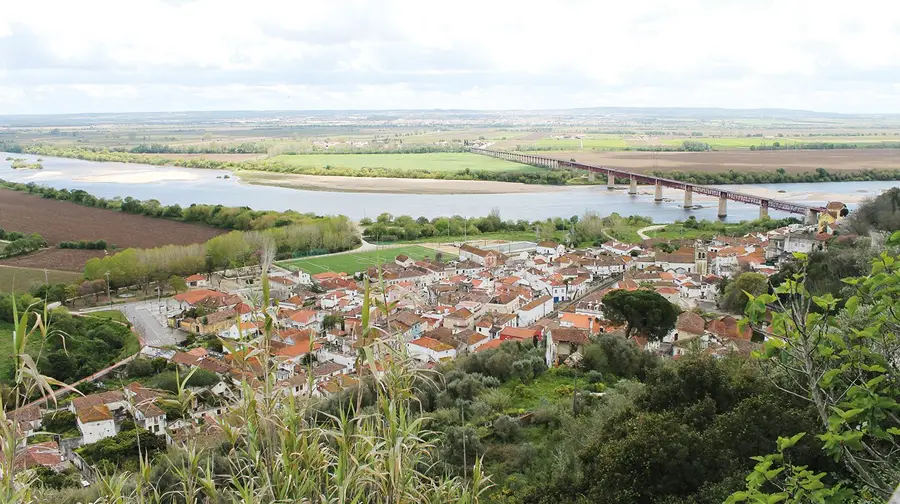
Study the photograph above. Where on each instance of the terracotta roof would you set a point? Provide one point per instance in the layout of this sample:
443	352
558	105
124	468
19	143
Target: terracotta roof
461	314
195	296
578	320
490	345
431	344
570	335
97	413
727	327
535	303
45	454
548	244
184	358
195	278
690	322
518	333
101	398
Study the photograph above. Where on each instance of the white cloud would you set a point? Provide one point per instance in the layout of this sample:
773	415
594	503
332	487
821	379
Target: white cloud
109	55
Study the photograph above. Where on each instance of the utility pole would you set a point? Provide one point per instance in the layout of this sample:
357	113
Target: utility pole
46	281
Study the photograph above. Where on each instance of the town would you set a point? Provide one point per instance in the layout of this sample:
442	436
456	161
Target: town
546	295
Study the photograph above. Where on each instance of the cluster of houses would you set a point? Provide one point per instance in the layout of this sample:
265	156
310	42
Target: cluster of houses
436	311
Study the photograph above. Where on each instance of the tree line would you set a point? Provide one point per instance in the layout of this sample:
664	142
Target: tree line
84	245
824	146
779	176
237	249
239	218
20	243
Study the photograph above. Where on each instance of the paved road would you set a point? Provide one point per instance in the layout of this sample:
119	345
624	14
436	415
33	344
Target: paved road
149	322
643	231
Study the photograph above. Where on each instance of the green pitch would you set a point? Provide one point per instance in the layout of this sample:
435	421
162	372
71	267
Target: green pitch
355	262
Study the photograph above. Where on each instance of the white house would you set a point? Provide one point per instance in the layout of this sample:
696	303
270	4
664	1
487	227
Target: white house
96	423
197	281
428	349
617	248
535	310
549	248
563	342
303	278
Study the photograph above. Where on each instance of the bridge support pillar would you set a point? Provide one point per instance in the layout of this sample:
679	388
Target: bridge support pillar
723	206
658	196
610	181
632	189
591	175
688	198
764	209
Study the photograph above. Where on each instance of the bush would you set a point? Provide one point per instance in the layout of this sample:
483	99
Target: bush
506	429
167	380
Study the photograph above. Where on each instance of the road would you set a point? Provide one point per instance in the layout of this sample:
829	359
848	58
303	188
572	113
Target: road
149	322
643	231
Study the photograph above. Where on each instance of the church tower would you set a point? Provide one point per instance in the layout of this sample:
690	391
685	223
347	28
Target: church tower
701	265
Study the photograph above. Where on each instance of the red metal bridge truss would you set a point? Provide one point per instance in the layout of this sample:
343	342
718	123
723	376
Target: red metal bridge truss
771	204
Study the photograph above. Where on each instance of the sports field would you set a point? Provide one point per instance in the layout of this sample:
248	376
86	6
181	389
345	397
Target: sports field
352	263
432	161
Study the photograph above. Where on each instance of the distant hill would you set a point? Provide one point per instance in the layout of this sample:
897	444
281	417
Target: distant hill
243	116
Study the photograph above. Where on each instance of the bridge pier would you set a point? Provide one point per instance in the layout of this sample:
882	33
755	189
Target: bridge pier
764	209
632	189
688	197
658	196
723	206
590	175
610	181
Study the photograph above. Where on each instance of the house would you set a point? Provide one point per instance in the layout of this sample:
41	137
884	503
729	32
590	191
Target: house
550	248
562	342
303	278
212	323
460	319
689	333
680	261
520	334
147	414
404	261
303	319
786	243
476	341
195	298
728	327
95	423
621	249
492	323
504	303
534	310
195	281
427	349
486	258
44	454
580	321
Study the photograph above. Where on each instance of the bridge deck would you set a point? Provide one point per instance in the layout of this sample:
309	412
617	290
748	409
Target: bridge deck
772	204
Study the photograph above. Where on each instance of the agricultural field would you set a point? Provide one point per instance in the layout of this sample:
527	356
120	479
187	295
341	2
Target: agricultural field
355	262
22	279
435	162
59	221
793	161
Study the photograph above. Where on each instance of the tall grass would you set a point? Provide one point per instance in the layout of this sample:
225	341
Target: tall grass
277	448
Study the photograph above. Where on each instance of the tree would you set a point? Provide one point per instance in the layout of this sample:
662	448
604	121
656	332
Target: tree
735	295
546	231
177	284
332	321
643	311
844	361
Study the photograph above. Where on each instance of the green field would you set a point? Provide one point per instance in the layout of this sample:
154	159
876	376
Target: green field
435	162
355	262
22	279
588	142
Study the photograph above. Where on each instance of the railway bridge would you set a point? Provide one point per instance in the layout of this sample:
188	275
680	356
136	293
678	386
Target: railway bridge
811	213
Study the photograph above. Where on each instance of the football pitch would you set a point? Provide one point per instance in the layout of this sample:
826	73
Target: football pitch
355	262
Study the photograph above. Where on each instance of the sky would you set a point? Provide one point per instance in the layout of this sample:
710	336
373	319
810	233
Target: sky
171	55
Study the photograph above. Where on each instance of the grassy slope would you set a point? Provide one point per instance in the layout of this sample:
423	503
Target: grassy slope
352	263
22	279
436	162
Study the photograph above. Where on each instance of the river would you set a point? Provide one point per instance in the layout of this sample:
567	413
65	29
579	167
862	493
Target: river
184	186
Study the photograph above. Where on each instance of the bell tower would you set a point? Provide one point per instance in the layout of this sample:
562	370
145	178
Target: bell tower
701	266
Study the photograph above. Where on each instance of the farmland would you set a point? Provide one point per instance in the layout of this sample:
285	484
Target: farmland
793	161
355	262
21	279
59	221
435	162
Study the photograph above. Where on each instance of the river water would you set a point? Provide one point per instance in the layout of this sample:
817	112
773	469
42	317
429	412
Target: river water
185	186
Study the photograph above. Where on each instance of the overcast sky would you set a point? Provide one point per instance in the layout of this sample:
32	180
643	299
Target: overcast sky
166	55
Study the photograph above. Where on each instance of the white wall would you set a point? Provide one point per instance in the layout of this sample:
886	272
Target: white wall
95	431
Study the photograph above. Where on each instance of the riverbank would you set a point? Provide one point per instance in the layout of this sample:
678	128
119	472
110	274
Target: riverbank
389	185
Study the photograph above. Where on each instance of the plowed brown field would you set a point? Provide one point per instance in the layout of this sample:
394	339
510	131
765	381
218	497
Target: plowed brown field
60	221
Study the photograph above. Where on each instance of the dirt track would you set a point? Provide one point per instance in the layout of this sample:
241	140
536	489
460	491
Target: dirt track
792	161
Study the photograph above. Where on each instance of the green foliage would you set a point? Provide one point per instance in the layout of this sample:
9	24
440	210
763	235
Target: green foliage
736	291
21	244
610	354
83	245
644	311
168	381
59	422
121	451
844	361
